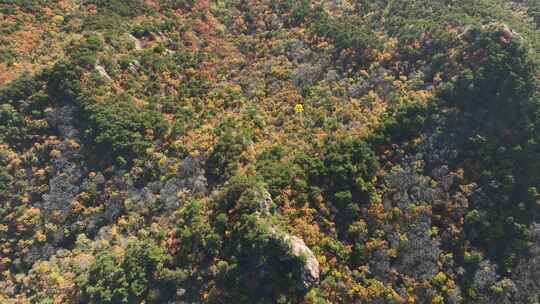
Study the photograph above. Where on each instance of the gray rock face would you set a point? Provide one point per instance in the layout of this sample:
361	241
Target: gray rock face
291	247
310	271
136	42
527	273
190	179
376	83
307	74
61	119
192	175
420	254
102	72
264	202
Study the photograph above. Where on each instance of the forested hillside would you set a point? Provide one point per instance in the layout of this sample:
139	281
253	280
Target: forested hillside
269	151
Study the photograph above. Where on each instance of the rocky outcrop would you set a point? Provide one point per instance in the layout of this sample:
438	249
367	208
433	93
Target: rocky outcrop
269	252
527	273
294	248
191	179
310	270
136	42
102	72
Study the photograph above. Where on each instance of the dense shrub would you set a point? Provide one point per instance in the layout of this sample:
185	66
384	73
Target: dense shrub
227	153
295	12
403	123
8	56
348	34
501	80
138	275
498	91
129	8
20	89
121	129
31	6
63	84
84	54
369	151
279	174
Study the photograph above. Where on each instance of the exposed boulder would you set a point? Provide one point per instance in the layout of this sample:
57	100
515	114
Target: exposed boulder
310	271
270	253
136	42
102	72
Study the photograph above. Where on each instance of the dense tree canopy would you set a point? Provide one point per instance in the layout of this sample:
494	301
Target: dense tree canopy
370	151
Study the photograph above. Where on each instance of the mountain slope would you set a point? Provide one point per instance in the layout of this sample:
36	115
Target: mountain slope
370	151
